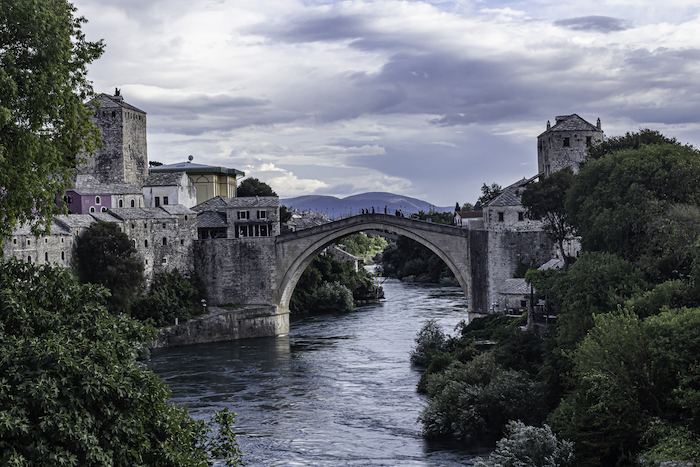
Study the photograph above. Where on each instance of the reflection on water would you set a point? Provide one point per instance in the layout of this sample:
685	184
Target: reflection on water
338	390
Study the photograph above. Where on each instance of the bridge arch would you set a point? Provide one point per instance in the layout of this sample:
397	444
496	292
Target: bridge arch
295	251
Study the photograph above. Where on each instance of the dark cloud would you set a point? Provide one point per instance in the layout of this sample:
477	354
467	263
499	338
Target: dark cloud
604	24
315	29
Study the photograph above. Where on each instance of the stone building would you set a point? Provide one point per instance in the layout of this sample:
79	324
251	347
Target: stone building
169	188
124	156
565	143
210	181
252	217
89	195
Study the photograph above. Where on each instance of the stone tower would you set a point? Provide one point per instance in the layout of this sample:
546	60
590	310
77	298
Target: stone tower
565	143
124	157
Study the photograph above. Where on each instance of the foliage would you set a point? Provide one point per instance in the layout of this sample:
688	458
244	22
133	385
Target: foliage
670	442
362	245
407	257
285	214
478	397
154	163
544	201
172	295
636	140
636	383
44	123
314	291
332	297
254	187
489	193
529	446
437	217
71	390
106	256
430	342
613	200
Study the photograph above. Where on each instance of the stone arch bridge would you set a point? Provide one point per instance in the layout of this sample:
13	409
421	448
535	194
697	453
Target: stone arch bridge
263	271
295	251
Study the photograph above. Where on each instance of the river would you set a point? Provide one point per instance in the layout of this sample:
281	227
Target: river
339	390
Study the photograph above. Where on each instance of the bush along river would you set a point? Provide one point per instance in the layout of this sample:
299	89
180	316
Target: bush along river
339	390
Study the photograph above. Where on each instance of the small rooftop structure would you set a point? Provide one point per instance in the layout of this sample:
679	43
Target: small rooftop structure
210	181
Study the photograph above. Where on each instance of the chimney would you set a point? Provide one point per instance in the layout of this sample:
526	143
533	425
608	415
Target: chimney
598	124
548	125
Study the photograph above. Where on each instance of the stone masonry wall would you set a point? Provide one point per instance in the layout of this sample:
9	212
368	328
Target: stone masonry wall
134	148
236	270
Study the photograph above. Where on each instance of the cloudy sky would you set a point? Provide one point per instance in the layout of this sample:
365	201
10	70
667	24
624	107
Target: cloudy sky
428	99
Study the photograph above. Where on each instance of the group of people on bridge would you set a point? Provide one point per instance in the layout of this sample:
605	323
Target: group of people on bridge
398	212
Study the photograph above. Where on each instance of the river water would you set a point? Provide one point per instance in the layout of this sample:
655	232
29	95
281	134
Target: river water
339	390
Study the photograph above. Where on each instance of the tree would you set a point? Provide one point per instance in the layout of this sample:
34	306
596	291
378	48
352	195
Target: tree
636	140
529	446
613	200
171	296
545	201
106	256
254	187
72	391
44	122
489	193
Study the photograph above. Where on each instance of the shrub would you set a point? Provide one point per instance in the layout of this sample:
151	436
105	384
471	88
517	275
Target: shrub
172	295
332	297
529	446
430	341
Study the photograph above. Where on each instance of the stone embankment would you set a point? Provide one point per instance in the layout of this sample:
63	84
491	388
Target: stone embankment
224	325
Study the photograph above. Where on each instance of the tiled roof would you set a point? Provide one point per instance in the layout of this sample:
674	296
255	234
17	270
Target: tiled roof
552	264
213	204
470	214
89	185
176	209
140	213
107	101
510	195
104	217
75	221
571	123
515	287
253	201
211	220
164	179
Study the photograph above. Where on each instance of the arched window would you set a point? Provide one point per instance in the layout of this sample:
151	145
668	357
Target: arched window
97	200
104	209
29	259
63	256
121	203
46	257
92	208
165	241
133	242
132	203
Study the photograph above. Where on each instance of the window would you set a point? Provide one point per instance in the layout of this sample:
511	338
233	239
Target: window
29	259
29	242
97	200
144	225
104	209
133	226
243	214
185	216
263	231
132	203
157	201
14	240
588	141
46	257
165	200
62	240
165	241
145	243
121	203
133	242
46	240
521	216
182	242
92	208
500	217
63	256
262	214
165	261
523	303
163	224
566	142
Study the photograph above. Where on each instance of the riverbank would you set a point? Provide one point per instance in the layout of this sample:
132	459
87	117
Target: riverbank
222	324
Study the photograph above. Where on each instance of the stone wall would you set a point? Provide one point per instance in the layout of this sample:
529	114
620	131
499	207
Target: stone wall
224	325
236	270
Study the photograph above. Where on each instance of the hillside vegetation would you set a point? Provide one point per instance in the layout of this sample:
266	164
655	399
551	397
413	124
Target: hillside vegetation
619	374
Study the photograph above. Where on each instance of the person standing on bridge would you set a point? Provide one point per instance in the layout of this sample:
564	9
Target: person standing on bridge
372	209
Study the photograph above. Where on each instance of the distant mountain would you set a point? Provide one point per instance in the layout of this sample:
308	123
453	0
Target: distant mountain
336	207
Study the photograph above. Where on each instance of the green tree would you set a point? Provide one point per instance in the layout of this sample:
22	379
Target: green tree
613	200
529	446
545	201
44	123
489	193
72	391
254	187
106	256
172	295
633	140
